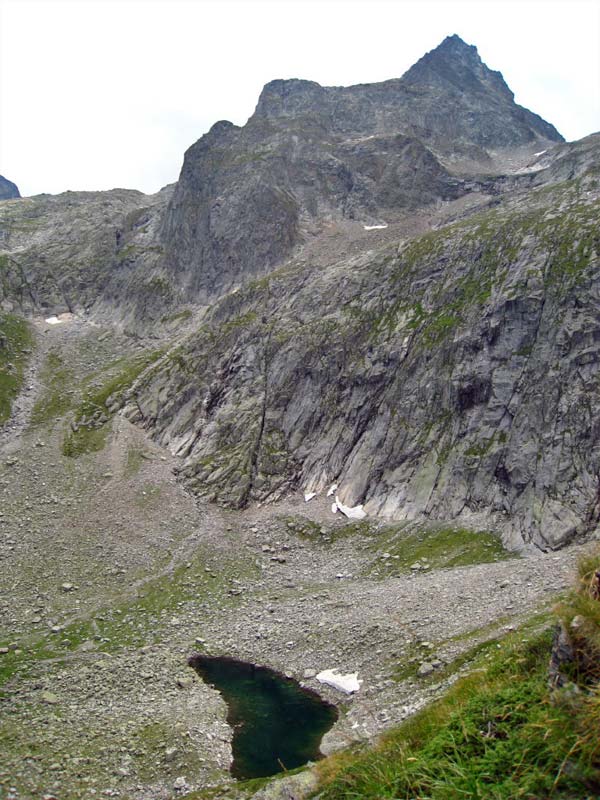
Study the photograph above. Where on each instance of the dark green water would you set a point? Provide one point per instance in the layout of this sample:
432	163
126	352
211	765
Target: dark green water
276	723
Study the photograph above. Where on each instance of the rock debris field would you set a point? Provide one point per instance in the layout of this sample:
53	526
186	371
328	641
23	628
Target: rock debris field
112	575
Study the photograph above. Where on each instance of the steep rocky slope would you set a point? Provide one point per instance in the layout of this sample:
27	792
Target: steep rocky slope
247	197
449	375
112	575
392	287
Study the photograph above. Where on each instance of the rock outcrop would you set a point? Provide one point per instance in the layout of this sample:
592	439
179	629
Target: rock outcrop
8	189
248	197
78	250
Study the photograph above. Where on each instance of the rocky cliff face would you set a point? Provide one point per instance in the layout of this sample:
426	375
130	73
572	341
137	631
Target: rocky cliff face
449	100
247	198
395	288
449	376
8	189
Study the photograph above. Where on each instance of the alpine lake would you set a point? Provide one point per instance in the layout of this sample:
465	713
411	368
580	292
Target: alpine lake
277	724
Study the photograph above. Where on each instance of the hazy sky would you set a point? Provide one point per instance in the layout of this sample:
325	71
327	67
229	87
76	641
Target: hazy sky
102	93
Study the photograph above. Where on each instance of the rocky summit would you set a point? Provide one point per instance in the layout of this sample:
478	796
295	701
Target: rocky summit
378	302
8	189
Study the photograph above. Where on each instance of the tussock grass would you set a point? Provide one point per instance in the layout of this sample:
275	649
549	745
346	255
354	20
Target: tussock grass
501	732
580	615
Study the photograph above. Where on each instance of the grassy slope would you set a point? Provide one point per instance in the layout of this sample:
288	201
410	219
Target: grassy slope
89	437
500	733
15	341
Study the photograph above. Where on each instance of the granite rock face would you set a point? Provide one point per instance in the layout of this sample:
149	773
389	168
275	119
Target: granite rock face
248	198
393	287
451	376
8	189
449	99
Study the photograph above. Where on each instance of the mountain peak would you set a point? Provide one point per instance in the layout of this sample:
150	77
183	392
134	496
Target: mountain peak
455	42
454	64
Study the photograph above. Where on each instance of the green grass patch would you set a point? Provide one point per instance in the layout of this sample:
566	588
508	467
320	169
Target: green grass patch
497	734
437	548
417	655
432	547
84	440
133	621
16	341
580	614
179	316
472	656
488	636
127	626
136	622
152	739
55	400
328	534
26	652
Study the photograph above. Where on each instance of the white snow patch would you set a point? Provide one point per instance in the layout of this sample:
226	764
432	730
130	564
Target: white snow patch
343	683
56	319
374	227
541	153
334	508
308	496
353	512
332	489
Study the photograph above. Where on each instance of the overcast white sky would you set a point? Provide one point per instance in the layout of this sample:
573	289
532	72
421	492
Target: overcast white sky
96	94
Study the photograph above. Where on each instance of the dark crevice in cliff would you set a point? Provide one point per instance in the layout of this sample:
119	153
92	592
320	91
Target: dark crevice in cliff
266	363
